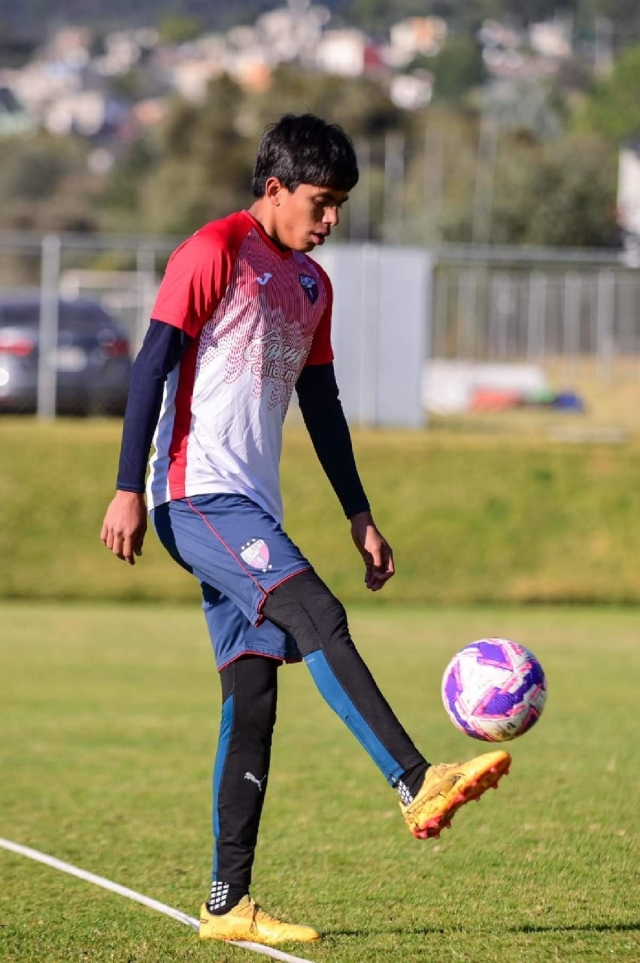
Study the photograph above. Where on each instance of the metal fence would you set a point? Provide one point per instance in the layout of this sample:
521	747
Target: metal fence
513	305
73	311
485	304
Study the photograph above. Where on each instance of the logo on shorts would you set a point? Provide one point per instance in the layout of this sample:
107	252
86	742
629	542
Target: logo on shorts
256	554
252	778
311	287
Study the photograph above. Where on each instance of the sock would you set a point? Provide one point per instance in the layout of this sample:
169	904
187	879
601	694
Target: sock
410	783
224	896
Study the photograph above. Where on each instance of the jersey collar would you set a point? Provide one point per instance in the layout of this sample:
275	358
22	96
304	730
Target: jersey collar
284	255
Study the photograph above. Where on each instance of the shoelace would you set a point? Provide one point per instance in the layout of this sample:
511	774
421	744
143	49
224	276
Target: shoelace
267	917
253	909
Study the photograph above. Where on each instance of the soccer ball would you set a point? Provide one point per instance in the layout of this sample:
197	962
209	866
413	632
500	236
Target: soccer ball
494	689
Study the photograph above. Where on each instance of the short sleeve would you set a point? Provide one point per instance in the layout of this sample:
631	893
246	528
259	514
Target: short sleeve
194	283
321	350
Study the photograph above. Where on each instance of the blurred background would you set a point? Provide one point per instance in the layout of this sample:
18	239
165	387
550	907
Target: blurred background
486	267
487	341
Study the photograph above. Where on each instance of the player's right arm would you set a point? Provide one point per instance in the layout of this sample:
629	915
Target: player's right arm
125	523
196	277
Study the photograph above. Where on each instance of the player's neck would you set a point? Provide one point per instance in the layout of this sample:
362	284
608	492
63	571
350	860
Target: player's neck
264	215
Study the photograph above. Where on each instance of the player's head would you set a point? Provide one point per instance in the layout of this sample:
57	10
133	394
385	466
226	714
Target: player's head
303	173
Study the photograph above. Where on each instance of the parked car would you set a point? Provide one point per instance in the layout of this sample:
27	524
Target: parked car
92	358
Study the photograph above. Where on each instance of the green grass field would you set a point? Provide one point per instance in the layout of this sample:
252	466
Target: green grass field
109	721
472	518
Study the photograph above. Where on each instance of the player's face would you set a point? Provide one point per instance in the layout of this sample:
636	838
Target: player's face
306	216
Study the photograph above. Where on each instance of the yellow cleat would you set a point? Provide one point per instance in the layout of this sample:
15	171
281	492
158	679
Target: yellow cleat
447	787
247	921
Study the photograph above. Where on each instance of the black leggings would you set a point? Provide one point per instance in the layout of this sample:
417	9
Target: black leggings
304	607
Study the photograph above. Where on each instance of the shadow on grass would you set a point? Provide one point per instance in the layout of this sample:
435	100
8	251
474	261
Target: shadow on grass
587	928
525	928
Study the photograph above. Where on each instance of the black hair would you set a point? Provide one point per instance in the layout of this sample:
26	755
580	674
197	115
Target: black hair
304	149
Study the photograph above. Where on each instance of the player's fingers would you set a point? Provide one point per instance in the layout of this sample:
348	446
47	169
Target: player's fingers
128	550
117	544
369	574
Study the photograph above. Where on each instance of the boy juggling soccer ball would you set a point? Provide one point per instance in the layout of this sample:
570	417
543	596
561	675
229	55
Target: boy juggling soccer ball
243	316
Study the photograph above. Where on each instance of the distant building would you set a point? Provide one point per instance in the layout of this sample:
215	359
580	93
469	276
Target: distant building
85	112
629	198
14	119
39	83
411	91
123	51
292	32
551	38
494	34
71	46
348	52
191	77
417	35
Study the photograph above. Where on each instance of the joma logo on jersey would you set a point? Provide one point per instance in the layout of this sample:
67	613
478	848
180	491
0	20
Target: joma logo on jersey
310	285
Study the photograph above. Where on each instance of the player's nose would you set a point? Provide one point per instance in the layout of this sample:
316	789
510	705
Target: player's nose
331	216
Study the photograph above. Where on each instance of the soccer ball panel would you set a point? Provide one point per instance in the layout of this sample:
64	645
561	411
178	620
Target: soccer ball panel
494	690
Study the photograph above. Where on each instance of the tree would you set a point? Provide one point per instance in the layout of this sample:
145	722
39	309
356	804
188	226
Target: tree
179	29
45	184
559	195
614	107
457	69
200	165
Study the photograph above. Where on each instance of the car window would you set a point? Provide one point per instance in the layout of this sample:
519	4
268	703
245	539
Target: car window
15	315
84	318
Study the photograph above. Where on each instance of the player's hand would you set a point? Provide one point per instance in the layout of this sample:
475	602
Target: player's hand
375	550
125	525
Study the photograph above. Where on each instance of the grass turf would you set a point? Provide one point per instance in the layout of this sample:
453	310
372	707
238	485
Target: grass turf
471	518
109	720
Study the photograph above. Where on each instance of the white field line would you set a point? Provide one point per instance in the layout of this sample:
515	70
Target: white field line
139	898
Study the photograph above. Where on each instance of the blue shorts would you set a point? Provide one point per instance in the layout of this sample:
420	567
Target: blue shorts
239	553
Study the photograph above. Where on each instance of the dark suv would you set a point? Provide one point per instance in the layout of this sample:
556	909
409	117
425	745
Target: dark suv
92	359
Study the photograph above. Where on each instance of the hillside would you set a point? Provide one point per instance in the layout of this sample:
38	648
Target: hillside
24	16
29	17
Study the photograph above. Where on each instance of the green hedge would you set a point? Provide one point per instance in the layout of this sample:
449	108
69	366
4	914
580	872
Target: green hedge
471	519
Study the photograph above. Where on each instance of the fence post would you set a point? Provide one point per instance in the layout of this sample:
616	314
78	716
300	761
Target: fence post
394	171
368	334
536	317
604	324
571	321
48	330
146	280
467	314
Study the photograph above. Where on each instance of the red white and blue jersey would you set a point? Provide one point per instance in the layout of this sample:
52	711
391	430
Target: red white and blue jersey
258	315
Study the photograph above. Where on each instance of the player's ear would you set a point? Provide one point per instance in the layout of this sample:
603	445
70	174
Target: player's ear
273	189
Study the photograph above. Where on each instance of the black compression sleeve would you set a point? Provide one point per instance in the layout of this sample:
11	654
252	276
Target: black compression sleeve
162	348
323	415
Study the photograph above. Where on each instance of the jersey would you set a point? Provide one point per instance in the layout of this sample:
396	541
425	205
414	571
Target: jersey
257	315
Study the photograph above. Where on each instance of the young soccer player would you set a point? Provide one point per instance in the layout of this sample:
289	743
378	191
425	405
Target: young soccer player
243	316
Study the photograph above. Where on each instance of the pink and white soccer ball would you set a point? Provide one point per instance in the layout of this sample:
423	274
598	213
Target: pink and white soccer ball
494	690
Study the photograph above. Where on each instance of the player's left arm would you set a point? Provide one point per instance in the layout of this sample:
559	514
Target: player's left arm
324	418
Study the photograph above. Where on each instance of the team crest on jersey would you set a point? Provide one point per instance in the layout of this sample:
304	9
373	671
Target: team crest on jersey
256	554
311	287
